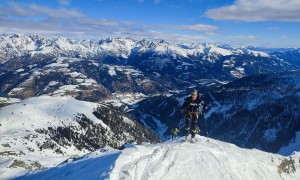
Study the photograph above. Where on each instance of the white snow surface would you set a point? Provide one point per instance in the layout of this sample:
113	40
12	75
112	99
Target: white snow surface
205	159
125	99
18	123
258	53
218	50
6	100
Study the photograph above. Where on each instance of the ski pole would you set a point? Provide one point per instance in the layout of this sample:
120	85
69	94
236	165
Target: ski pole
205	125
180	120
179	126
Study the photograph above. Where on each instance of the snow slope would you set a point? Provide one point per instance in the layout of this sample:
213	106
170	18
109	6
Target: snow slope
171	160
18	131
42	132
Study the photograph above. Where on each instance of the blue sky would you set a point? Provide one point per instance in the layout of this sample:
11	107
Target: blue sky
265	23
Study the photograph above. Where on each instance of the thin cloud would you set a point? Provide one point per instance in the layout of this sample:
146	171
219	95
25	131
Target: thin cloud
274	28
155	1
155	35
258	10
17	10
36	19
194	27
211	33
53	13
199	27
243	37
64	2
32	10
242	40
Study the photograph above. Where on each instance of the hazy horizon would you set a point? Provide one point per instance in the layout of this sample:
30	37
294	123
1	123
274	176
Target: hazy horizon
258	23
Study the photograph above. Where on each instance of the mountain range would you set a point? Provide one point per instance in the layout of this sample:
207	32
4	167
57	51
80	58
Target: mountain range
65	98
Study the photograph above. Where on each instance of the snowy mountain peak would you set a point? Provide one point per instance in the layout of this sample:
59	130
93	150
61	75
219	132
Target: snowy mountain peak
226	46
22	45
3	35
162	42
257	53
146	44
19	35
116	40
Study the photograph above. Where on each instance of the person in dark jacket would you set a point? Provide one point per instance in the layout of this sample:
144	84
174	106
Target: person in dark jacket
193	104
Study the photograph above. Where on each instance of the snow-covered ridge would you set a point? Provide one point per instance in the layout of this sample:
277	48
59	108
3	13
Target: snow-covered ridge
21	45
19	125
174	159
43	131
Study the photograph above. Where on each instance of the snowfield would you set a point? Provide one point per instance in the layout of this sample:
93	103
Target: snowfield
42	132
19	138
206	159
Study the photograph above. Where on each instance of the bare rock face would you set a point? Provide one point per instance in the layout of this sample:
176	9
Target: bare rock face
33	166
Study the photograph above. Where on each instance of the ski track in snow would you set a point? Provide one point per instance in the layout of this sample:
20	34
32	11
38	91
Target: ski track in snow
209	160
148	163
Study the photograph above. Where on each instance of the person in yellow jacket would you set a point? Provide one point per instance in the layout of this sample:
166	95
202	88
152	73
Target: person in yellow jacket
174	132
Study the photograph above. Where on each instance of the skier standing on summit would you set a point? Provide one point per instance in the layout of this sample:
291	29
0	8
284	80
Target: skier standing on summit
192	104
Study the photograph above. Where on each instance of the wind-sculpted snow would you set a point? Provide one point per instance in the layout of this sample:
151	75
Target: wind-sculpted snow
205	159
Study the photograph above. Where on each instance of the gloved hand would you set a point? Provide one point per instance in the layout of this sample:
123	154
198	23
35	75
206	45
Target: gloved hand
181	111
180	114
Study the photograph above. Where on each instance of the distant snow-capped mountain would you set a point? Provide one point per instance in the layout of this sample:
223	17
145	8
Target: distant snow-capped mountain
168	61
34	45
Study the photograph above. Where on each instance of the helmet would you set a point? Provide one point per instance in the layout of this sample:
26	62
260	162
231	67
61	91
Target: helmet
195	93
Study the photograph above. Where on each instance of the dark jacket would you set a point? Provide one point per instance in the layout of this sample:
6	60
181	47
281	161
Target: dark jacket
193	106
